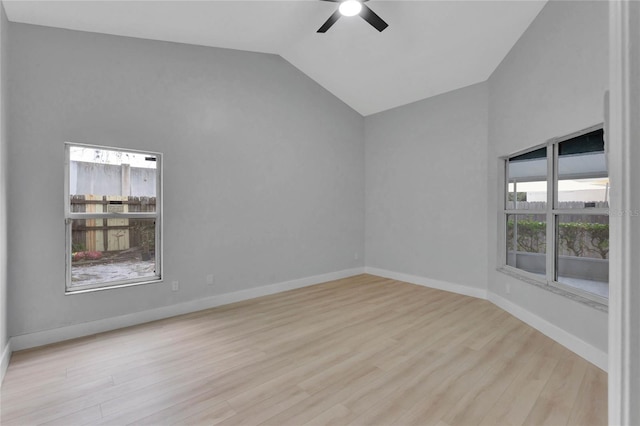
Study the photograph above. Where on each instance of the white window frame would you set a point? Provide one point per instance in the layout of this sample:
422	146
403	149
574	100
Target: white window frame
70	216
551	212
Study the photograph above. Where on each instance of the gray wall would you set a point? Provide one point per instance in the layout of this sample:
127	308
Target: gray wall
552	83
263	168
426	188
4	336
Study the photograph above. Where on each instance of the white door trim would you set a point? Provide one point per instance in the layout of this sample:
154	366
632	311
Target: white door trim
624	155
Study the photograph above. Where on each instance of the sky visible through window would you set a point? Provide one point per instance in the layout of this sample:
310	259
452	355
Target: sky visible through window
104	156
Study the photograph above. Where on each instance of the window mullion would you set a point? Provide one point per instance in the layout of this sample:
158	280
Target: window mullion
551	223
99	215
505	186
67	210
586	212
158	228
525	211
67	196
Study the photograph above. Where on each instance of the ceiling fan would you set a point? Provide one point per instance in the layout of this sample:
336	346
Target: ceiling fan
352	8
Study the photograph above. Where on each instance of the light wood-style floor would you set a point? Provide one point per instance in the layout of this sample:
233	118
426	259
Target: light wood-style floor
363	351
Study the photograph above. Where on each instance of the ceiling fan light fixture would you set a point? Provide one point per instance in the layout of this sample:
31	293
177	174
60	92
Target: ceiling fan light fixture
350	7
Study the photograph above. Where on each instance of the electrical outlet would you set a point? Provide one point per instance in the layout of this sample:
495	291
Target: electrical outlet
356	256
210	279
507	288
175	286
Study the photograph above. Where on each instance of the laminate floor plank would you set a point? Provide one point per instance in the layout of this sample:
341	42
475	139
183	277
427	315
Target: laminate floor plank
364	350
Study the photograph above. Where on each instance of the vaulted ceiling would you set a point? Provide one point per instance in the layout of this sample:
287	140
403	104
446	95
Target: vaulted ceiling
430	47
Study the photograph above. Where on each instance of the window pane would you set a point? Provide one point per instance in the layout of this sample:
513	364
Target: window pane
583	180
527	181
107	251
583	252
526	242
103	174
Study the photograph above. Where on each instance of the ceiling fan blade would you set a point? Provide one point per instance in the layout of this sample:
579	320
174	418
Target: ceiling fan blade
371	17
329	22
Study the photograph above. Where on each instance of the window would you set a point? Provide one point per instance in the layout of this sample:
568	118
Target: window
556	215
112	217
527	202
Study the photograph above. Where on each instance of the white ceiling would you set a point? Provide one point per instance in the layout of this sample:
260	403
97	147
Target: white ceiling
430	47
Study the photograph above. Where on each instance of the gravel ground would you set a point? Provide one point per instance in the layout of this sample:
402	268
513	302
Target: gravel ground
91	274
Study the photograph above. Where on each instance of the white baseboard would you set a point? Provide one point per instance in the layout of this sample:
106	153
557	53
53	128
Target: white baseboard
428	282
46	337
583	349
4	362
568	340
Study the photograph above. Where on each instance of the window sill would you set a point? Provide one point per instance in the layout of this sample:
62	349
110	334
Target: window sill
541	283
111	287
